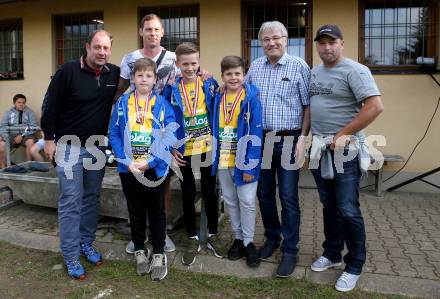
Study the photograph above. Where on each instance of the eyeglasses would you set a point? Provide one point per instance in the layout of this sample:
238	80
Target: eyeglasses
275	39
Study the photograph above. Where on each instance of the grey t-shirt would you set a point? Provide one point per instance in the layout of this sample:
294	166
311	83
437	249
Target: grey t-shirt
166	71
336	95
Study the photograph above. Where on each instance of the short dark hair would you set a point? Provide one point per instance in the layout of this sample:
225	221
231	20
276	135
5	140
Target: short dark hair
19	96
186	49
229	62
95	32
144	64
150	17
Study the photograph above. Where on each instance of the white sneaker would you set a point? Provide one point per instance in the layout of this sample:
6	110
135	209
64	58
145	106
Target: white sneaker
142	261
169	245
346	282
323	264
159	266
130	246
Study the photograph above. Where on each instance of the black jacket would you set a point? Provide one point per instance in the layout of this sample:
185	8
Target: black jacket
78	101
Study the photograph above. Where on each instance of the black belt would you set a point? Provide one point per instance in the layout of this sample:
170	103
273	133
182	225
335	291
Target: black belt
284	132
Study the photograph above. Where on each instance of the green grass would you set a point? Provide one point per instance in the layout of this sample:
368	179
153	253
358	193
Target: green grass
33	269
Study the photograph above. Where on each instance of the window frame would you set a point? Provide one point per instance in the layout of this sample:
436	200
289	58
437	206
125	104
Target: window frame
308	27
433	15
144	10
60	19
18	74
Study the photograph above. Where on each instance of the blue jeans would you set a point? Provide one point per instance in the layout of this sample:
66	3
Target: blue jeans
78	204
343	221
288	192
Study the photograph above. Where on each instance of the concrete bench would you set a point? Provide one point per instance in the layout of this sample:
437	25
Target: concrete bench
379	172
41	188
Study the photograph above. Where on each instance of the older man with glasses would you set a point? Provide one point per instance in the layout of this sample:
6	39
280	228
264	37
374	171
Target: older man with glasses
283	81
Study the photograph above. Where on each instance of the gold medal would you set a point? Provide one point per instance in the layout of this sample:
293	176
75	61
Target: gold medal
228	113
141	112
192	111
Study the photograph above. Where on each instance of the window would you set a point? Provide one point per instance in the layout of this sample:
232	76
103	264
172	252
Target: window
397	34
72	32
294	14
181	24
11	49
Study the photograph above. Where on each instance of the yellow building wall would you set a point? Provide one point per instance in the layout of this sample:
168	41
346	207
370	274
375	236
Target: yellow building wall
220	35
344	13
409	102
409	99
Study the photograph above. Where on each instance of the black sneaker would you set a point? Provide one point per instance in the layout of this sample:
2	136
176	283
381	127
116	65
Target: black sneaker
252	258
192	248
286	266
267	249
237	250
216	246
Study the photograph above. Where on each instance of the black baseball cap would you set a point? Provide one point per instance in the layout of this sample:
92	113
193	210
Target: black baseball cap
328	30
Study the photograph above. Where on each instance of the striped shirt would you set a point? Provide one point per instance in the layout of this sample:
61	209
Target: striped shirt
284	90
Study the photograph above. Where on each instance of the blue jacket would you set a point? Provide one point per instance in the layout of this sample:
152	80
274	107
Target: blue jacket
119	135
172	94
249	123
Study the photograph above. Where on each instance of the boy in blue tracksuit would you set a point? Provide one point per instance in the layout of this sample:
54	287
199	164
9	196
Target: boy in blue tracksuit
192	98
139	138
237	120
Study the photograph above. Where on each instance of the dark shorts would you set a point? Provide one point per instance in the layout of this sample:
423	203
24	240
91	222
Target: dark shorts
23	141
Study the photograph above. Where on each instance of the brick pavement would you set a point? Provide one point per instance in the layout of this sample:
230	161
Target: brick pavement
403	232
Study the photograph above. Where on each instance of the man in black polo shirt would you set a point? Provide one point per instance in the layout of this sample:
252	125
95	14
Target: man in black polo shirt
78	103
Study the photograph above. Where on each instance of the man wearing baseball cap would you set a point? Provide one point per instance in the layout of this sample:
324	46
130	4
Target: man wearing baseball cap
344	99
329	30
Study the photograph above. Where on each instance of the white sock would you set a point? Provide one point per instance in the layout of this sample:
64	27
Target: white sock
194	237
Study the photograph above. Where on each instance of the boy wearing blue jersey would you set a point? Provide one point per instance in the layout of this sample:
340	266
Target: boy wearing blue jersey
192	98
136	117
238	130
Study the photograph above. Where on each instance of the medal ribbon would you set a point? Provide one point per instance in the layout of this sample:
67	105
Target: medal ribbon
147	103
227	117
193	111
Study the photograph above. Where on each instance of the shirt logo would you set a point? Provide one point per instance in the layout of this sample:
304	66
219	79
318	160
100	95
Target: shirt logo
325	30
320	89
195	121
228	134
